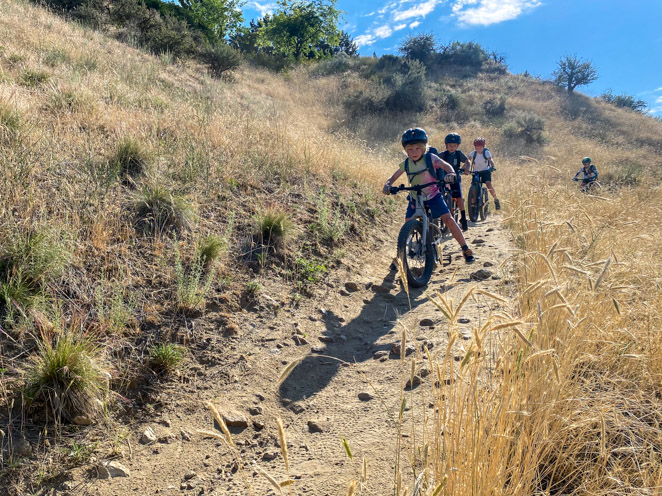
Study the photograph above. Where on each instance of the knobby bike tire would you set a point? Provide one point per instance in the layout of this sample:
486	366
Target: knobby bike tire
484	209
473	198
414	229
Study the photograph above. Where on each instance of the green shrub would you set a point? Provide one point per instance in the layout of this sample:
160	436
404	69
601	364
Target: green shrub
625	101
166	357
130	158
159	210
221	58
495	107
463	54
66	375
527	127
167	34
408	93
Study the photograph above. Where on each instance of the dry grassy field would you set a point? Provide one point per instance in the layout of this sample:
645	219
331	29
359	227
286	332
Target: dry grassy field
133	187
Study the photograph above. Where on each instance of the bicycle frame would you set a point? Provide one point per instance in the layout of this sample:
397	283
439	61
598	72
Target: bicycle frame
421	212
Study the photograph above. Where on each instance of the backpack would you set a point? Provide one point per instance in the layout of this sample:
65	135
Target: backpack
485	150
428	163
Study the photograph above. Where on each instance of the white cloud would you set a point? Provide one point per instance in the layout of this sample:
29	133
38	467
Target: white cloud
364	40
414	24
262	8
420	10
383	31
486	12
399	27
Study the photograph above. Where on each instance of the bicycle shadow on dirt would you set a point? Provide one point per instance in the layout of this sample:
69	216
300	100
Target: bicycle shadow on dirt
353	341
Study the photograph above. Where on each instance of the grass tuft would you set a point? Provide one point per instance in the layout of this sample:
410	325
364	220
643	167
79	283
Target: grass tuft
130	158
159	210
274	225
165	358
66	374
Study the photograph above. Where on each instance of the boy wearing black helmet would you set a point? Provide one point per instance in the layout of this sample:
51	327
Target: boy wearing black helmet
456	158
414	141
589	174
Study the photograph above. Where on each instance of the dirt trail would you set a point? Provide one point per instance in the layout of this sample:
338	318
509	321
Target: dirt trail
345	337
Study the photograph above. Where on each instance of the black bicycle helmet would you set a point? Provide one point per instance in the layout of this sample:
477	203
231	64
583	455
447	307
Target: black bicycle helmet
453	138
413	136
586	160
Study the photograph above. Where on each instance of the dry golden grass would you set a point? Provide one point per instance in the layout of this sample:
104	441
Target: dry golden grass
572	403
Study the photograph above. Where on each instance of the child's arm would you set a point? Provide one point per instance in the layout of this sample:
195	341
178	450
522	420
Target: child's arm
442	164
387	187
490	161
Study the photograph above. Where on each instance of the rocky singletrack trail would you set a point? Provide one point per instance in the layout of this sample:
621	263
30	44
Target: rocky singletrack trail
347	381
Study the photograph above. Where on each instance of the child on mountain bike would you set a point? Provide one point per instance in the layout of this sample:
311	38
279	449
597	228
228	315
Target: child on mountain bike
456	158
481	162
589	174
414	141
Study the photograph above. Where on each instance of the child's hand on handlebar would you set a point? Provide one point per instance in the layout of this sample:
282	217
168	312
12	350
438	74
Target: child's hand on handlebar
386	190
450	178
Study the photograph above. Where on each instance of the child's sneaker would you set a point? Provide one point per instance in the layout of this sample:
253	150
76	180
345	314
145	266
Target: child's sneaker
468	255
463	223
497	204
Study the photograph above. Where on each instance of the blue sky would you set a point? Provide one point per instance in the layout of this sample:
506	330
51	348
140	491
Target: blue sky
623	39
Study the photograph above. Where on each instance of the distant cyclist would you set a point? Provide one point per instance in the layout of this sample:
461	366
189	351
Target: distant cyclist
481	162
457	159
588	172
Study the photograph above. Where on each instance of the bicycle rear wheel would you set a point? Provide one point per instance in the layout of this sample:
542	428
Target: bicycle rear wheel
417	259
454	211
472	199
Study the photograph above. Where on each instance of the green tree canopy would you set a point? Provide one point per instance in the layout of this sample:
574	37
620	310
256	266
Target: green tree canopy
573	71
420	47
301	30
220	19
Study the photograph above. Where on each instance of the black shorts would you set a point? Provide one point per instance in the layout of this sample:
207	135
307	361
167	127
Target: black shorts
485	176
456	189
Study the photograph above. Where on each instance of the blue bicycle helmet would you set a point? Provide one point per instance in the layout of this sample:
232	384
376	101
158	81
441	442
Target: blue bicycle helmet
414	135
586	160
453	138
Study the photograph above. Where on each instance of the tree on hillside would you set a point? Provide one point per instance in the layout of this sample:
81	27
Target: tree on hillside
302	30
347	45
573	71
420	47
220	19
625	101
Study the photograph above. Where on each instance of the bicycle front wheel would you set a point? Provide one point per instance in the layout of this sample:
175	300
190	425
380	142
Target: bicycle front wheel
472	199
417	258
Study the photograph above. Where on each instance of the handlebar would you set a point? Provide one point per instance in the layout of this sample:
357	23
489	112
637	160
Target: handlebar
396	189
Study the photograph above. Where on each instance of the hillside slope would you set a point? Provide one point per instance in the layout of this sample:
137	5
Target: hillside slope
145	207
